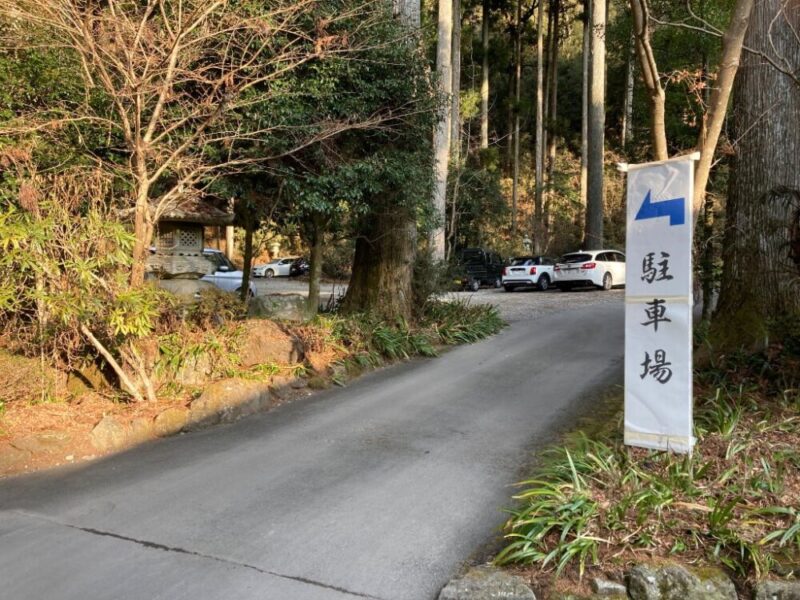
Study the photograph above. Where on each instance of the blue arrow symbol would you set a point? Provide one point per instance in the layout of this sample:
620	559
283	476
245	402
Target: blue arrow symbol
674	209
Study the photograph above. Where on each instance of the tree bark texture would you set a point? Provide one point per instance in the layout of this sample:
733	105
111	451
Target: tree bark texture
441	136
383	266
552	107
455	111
761	275
587	11
515	133
538	215
596	130
408	11
485	74
650	78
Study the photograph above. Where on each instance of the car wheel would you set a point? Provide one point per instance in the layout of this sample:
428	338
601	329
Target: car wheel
509	288
269	274
475	285
607	282
543	283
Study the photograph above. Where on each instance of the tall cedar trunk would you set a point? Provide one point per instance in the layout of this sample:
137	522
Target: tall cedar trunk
538	230
626	135
249	229
517	98
441	136
760	282
408	11
315	272
485	75
596	133
455	109
552	109
383	266
587	28
650	78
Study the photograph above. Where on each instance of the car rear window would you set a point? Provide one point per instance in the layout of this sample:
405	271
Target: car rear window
522	261
575	258
472	257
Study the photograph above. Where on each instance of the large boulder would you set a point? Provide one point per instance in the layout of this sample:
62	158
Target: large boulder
675	582
226	401
195	370
778	590
487	583
170	421
284	307
265	342
109	434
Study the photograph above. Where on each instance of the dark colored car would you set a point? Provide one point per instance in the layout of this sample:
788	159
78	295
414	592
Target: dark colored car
299	267
476	267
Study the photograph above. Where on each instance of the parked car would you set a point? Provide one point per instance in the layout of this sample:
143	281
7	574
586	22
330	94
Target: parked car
279	267
528	271
225	276
300	266
477	267
604	269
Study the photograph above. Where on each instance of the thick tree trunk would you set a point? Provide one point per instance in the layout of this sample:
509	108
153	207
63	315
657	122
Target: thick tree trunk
485	75
552	110
315	273
408	11
441	137
587	28
383	266
455	109
650	78
517	98
596	130
538	216
760	281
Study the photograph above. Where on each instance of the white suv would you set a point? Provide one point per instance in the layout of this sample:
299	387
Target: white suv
528	271
602	268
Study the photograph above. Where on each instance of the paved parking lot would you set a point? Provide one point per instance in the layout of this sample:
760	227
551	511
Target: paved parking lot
514	306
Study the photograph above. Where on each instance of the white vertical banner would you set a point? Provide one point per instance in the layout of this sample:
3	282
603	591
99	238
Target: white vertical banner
658	305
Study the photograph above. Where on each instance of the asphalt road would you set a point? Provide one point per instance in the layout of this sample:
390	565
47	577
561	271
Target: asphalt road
382	489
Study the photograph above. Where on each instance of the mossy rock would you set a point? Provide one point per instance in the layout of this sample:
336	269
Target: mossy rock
676	582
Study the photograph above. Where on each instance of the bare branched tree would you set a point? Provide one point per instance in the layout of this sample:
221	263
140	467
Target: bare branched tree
180	81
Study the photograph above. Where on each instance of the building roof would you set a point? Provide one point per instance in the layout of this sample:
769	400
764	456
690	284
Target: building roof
204	210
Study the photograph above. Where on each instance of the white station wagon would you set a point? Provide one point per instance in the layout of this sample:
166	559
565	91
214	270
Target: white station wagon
601	268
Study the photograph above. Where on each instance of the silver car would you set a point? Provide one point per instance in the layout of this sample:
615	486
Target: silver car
279	267
225	276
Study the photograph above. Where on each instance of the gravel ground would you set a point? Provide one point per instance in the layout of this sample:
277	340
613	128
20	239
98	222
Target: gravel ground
514	306
527	305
